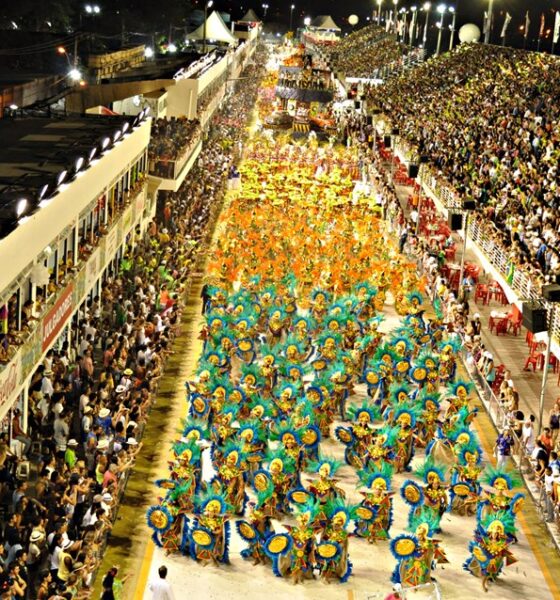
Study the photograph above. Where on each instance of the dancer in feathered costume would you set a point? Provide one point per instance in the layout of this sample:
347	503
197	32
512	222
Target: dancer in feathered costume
490	548
257	528
230	477
381	451
209	535
325	488
293	553
358	436
332	550
432	496
500	496
374	515
417	553
465	488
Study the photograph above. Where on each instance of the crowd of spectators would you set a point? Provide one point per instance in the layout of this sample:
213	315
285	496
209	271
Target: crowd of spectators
305	79
487	119
89	400
518	436
171	140
368	53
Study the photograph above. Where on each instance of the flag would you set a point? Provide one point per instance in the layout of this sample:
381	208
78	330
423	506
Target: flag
485	24
411	28
527	24
506	23
556	27
541	30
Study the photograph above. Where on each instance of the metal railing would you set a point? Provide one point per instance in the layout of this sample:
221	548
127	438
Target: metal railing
172	168
521	460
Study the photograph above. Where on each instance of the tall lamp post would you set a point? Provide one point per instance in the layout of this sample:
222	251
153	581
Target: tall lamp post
453	11
426	9
207	5
489	22
291	15
414	21
379	3
441	10
265	9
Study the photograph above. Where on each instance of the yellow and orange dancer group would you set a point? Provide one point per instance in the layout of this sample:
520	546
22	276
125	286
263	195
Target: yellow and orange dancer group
300	277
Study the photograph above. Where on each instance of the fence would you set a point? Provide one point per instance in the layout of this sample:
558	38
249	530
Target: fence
522	285
526	287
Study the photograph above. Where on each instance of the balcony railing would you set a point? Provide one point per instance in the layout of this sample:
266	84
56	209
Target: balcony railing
169	168
77	283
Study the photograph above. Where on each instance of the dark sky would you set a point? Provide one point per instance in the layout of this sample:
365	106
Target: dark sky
467	10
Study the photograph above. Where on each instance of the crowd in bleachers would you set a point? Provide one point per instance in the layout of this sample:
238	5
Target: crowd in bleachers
62	478
171	140
487	118
366	53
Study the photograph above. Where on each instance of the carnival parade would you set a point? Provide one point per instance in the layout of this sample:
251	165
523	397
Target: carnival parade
323	364
279	304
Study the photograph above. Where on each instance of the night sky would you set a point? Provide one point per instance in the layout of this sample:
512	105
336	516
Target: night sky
467	11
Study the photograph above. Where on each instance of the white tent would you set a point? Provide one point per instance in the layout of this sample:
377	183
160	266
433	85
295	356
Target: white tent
250	17
324	22
215	30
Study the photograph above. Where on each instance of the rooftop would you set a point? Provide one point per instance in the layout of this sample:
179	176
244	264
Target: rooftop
37	154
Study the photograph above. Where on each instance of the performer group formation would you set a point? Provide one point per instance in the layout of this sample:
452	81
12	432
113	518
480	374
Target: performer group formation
317	328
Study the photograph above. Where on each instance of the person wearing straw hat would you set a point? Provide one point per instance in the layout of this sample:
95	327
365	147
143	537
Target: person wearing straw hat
104	419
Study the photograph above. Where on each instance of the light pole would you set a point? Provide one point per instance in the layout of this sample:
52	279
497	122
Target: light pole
426	9
489	22
307	21
265	8
453	11
291	15
441	10
413	21
207	5
396	3
379	3
404	13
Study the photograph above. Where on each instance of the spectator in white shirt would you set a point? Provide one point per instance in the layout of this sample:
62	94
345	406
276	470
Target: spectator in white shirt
160	588
46	383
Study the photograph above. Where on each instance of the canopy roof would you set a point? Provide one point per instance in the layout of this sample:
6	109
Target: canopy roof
250	17
324	22
216	29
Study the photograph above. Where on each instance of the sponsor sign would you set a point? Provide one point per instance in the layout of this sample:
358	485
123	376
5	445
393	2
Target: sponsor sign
9	382
56	318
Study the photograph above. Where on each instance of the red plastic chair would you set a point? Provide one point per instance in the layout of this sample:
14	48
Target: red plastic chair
481	293
533	360
515	324
502	326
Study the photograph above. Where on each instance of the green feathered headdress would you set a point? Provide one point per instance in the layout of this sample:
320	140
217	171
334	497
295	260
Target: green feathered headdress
505	518
459	386
501	478
185	445
399	393
369	478
372	410
202	499
429	470
425	516
333	463
254	370
280	454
